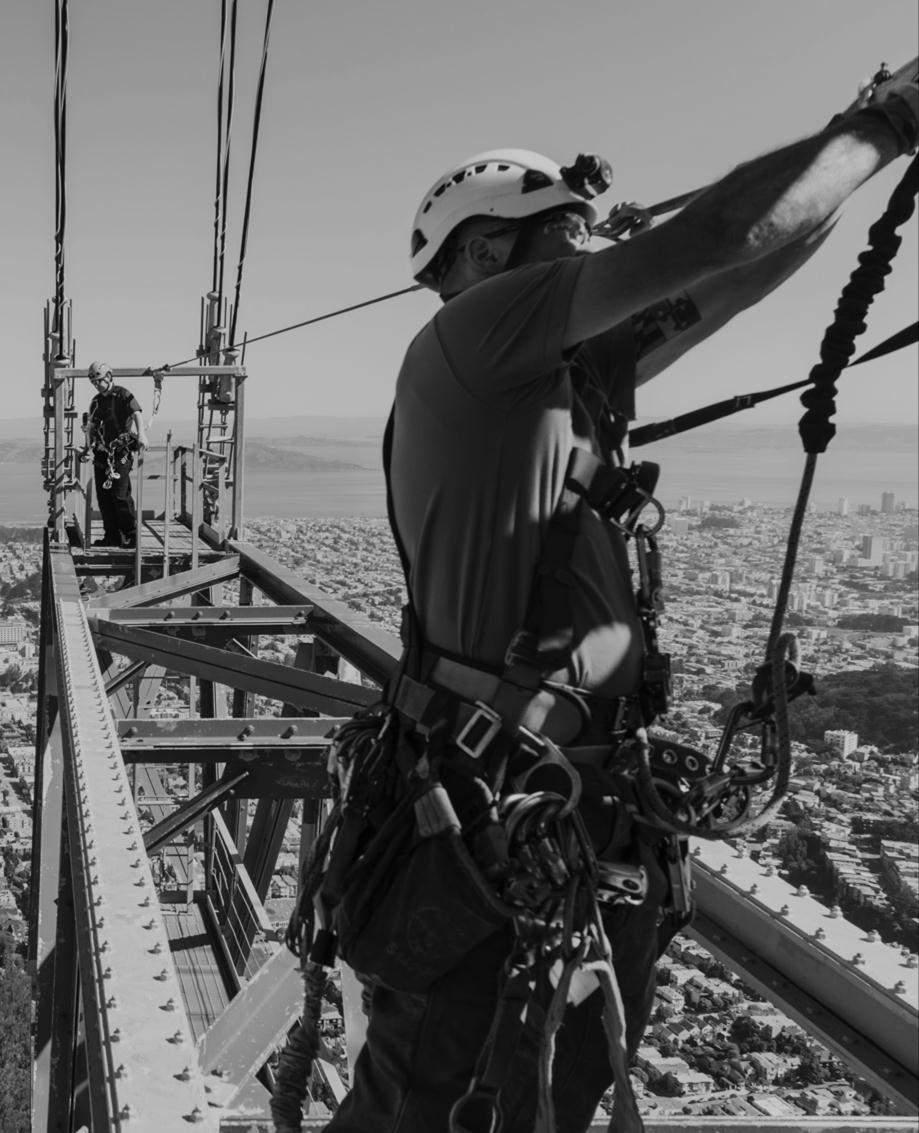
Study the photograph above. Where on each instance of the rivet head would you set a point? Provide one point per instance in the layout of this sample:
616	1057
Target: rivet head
196	1115
177	1038
820	934
784	911
169	1005
156	949
184	1074
121	1072
111	1002
163	975
145	904
125	1112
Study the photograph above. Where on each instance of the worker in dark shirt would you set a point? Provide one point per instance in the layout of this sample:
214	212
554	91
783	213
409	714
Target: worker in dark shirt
535	352
114	430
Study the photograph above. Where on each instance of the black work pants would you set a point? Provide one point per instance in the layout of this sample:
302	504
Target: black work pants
119	518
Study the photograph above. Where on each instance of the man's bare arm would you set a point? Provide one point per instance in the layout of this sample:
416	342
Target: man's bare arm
138	422
665	331
756	210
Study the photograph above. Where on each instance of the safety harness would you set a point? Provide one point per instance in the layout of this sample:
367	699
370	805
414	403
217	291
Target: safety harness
103	419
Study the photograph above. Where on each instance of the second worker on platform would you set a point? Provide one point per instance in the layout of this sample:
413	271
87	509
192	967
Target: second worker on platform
114	429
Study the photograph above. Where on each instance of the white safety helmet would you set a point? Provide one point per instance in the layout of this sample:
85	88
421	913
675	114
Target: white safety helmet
508	183
99	370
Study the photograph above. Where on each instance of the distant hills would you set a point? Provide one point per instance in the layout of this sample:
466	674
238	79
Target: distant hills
308	466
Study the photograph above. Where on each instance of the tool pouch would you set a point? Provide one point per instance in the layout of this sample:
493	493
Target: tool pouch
415	903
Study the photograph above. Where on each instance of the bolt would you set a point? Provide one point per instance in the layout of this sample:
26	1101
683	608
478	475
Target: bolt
196	1115
125	1112
177	1038
169	1005
111	1003
115	1036
163	975
121	1072
184	1074
150	924
145	904
135	864
156	949
107	974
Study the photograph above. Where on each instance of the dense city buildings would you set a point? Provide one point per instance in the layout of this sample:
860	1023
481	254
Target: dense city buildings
847	829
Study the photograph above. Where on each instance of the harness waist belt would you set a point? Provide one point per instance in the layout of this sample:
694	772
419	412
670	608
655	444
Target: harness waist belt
486	704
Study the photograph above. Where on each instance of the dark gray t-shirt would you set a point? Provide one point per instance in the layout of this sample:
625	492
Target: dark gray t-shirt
486	412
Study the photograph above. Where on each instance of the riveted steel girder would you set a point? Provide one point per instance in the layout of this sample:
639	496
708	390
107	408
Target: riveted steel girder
280	682
205	621
138	1041
172	586
770	938
359	640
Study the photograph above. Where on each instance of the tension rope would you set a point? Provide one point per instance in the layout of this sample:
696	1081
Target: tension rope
778	679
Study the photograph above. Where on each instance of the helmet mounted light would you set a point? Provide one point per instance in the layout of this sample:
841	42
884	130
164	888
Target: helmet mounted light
589	176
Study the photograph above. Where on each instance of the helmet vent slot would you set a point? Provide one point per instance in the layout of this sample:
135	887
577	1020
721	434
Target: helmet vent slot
535	179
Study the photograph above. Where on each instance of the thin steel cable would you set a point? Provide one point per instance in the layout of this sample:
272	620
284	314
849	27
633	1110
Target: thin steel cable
61	39
256	123
309	322
231	98
218	195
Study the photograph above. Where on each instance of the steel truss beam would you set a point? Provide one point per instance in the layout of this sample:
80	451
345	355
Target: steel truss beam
172	586
137	1036
268	678
191	811
208	620
360	641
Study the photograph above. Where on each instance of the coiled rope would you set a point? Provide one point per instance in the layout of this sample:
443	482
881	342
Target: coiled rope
815	427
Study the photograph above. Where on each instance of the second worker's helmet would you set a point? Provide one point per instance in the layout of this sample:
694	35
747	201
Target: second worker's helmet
99	370
508	183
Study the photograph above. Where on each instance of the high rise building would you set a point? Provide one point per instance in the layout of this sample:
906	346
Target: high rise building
842	742
873	548
843	506
888	500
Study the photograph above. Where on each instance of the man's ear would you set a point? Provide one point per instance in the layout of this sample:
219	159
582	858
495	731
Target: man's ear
484	254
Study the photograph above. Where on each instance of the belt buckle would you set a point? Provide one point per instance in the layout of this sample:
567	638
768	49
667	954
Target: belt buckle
479	730
621	884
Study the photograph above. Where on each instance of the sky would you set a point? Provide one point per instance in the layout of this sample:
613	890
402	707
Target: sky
365	105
